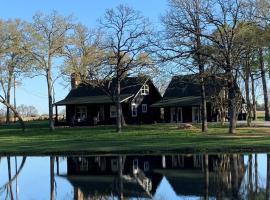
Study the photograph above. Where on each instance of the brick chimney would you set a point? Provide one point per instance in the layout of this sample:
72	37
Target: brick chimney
75	80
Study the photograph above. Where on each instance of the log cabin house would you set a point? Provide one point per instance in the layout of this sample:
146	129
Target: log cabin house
182	99
91	105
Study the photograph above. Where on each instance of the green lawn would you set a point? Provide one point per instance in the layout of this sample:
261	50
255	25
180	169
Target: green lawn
161	138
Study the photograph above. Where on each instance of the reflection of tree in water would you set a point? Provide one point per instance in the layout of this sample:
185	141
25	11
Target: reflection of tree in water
253	184
52	178
7	187
228	173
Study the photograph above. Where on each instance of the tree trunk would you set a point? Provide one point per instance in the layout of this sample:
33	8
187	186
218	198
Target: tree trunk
268	178
201	67
123	121
9	179
247	75
250	176
235	176
50	99
118	107
8	97
203	102
14	96
232	104
206	195
265	92
121	185
15	113
52	192
256	173
57	166
254	110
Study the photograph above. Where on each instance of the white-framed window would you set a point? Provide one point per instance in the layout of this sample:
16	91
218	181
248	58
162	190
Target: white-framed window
144	108
113	113
81	112
145	90
134	110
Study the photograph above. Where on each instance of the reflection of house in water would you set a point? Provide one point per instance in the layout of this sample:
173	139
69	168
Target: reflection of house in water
141	175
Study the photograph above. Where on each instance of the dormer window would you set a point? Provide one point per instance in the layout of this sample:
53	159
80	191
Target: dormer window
145	90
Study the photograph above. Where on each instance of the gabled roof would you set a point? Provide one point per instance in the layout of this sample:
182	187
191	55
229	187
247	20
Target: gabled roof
87	94
189	85
184	90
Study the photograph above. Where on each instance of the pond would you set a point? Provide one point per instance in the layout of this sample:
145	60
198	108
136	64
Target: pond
177	176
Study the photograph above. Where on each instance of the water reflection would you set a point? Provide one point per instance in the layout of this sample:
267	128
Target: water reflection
205	176
7	186
223	176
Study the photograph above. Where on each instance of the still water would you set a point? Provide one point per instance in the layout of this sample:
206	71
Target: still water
223	176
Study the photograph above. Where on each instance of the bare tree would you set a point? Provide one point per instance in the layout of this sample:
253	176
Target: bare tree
82	53
185	26
48	34
52	178
254	109
15	60
27	111
261	17
224	19
268	177
126	40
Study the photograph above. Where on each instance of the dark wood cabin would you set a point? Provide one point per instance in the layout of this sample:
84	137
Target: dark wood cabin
89	105
182	99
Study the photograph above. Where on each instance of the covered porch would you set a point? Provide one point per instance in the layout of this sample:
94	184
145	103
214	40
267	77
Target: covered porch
184	110
89	111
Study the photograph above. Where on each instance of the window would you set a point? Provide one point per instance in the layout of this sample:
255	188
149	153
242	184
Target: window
144	108
145	90
113	113
134	110
81	112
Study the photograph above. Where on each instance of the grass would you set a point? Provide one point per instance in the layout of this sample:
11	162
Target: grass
160	138
260	115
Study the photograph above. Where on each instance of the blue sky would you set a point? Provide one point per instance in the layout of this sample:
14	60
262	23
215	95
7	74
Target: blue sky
34	91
